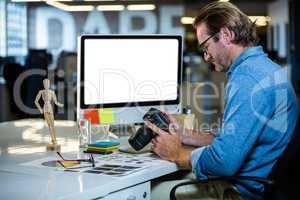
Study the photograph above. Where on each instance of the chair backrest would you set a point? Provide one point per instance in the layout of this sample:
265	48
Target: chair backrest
286	171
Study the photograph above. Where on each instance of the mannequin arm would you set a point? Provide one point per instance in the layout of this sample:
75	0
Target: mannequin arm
56	102
36	102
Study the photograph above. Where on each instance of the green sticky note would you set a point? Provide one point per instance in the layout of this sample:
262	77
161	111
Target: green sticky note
106	116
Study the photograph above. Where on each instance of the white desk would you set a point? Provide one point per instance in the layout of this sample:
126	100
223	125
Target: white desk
25	140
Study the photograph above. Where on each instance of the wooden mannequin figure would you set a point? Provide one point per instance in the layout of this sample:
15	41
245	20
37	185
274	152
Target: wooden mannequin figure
48	96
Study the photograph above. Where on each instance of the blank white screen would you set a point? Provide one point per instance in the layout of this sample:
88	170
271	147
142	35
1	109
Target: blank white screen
130	70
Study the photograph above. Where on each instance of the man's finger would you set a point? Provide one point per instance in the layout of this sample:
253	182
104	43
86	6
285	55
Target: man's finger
154	141
152	146
160	139
174	125
155	150
154	128
151	126
172	129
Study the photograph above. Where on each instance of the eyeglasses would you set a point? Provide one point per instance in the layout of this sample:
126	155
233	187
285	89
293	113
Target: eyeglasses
202	48
90	160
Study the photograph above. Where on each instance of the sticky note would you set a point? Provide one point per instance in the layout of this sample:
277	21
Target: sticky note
106	115
92	115
105	143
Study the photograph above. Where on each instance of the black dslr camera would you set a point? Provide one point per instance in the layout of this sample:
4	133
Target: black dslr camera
144	134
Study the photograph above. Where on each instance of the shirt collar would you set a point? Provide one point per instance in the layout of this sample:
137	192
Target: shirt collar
252	51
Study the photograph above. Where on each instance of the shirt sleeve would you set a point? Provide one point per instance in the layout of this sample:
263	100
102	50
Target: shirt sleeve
242	124
196	154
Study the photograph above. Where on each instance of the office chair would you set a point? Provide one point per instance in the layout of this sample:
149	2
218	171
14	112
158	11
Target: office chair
11	72
283	182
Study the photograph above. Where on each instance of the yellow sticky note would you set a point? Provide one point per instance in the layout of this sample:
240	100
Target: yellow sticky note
106	116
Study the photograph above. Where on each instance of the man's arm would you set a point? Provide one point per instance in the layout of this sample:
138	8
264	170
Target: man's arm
184	158
189	137
196	138
242	126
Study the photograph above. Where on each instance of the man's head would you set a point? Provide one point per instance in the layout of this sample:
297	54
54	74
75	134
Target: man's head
223	31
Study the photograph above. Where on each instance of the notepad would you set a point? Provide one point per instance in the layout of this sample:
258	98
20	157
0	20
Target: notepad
106	116
92	115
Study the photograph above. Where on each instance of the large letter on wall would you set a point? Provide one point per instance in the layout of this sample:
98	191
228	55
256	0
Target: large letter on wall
68	34
96	23
167	13
126	22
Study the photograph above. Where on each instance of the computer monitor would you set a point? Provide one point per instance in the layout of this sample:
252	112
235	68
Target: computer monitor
130	74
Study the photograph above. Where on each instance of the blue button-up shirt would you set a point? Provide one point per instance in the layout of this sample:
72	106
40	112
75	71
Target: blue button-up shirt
259	118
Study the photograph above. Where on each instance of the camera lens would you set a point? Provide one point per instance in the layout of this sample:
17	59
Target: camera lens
141	138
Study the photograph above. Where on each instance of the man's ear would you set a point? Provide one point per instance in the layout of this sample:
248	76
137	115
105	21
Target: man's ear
226	35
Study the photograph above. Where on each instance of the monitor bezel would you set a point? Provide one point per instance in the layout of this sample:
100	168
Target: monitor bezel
83	38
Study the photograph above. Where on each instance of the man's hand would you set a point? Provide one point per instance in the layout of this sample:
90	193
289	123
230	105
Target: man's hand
168	146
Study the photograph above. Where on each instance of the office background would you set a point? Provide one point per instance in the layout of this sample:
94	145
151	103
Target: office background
39	39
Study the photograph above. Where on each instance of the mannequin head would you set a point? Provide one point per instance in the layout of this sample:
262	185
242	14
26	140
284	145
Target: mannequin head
46	83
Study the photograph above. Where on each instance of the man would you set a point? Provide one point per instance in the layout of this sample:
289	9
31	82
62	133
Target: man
260	112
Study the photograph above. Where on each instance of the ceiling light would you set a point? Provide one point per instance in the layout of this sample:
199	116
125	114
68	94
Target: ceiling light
98	0
17	1
70	8
260	20
187	20
141	7
110	7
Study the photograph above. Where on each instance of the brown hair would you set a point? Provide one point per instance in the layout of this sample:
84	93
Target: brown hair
219	15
